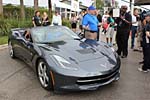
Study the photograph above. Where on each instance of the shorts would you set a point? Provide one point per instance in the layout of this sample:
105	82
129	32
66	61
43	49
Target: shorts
110	32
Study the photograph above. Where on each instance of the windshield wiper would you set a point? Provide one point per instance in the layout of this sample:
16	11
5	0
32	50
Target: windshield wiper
77	38
44	42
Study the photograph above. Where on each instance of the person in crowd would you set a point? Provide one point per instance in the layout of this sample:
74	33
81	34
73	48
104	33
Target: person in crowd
56	20
104	17
36	20
134	27
27	35
81	33
90	24
123	30
104	22
45	19
143	23
99	17
74	21
80	20
139	36
146	45
110	28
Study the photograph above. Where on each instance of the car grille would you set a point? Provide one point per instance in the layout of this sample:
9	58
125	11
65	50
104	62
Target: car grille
97	79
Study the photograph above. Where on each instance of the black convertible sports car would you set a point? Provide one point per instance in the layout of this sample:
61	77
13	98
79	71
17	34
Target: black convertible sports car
62	60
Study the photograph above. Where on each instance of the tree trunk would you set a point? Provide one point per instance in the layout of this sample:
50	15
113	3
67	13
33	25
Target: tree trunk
22	9
50	7
35	5
1	8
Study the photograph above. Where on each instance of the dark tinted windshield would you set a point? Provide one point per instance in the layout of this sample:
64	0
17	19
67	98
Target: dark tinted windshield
52	34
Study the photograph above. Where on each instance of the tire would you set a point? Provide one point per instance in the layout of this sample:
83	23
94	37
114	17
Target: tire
11	50
44	76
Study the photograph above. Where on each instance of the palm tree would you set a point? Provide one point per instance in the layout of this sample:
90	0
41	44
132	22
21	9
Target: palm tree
22	9
50	7
35	5
1	8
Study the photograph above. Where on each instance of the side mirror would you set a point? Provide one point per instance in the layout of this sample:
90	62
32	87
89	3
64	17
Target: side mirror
16	34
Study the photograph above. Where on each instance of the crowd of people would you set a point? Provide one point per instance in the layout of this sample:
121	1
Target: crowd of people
90	21
136	25
37	20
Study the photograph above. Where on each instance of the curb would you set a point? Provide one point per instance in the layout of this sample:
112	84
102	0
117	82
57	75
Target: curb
4	46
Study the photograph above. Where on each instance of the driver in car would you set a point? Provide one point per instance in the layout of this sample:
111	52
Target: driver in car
27	35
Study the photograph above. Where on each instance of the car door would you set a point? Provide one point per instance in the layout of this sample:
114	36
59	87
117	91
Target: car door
27	51
16	40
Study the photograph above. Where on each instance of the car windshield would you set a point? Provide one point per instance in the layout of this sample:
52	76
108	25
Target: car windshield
52	34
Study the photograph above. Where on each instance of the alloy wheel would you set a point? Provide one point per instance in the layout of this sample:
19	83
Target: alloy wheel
42	74
11	51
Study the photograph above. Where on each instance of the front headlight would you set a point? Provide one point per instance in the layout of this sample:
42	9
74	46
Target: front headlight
64	63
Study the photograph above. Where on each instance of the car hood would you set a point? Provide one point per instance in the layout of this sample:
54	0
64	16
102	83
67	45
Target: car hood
77	50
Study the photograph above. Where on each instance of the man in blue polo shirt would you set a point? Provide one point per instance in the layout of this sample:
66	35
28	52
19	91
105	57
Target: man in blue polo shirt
90	24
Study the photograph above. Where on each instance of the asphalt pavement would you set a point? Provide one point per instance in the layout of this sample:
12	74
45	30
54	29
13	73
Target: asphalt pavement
19	82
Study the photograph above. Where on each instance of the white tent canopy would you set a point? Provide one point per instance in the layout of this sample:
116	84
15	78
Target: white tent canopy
62	5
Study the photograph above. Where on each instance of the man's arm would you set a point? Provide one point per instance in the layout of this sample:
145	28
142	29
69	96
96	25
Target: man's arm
127	19
33	22
148	34
147	29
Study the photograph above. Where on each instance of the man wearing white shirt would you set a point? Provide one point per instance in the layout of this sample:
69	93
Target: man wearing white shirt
134	26
56	20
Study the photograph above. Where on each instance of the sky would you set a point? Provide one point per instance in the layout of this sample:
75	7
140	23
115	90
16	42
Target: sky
41	2
44	3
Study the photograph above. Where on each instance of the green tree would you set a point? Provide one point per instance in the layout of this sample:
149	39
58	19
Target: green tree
22	9
50	7
36	5
99	4
1	8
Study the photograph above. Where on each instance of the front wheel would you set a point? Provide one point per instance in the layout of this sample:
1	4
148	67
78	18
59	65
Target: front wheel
44	75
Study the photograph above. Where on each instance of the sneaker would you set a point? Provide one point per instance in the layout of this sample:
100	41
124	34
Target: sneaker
141	70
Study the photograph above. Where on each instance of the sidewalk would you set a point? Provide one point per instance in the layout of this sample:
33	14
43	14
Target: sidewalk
4	46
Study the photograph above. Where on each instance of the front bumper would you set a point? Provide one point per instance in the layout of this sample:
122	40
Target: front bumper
67	83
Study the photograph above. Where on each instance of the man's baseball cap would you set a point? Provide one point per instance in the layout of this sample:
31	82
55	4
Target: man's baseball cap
91	8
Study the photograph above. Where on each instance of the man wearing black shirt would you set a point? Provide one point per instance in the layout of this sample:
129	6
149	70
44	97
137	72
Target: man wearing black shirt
123	30
36	20
146	45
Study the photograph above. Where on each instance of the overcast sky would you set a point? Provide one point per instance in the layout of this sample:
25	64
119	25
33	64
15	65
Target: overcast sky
44	3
